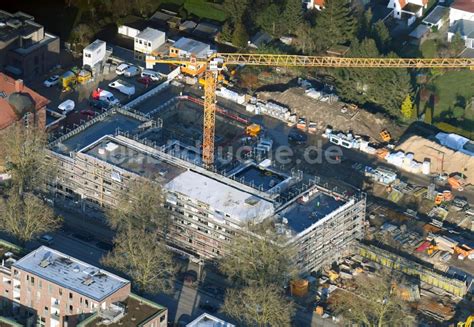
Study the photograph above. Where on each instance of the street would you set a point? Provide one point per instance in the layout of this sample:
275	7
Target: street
183	304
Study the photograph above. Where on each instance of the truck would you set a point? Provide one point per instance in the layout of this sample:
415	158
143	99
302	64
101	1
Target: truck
124	87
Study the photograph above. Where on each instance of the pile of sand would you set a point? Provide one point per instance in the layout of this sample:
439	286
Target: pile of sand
442	159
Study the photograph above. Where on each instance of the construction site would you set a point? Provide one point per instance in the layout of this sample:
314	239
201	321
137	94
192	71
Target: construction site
215	156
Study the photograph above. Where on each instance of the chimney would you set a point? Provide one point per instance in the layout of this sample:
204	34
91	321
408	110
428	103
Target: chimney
19	85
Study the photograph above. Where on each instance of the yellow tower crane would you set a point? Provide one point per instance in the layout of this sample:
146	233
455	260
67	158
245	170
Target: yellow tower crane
218	61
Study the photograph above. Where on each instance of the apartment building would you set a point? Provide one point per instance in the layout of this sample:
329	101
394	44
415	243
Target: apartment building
48	288
207	208
18	102
26	50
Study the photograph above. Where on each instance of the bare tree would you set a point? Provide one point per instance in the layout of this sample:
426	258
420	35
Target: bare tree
141	207
141	256
258	306
373	303
23	155
258	260
26	216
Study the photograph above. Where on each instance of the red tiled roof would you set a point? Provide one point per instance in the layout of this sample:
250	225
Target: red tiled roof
8	86
464	5
403	3
319	3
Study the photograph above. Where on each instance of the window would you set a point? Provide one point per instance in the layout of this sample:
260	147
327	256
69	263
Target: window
60	291
70	309
32	280
149	44
70	295
163	317
86	302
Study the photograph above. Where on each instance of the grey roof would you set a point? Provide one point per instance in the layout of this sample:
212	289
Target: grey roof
21	103
150	34
261	38
192	46
419	31
70	273
436	15
464	27
94	45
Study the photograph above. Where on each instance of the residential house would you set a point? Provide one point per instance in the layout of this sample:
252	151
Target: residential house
149	40
26	50
408	9
461	9
188	48
465	29
48	288
314	4
437	17
18	102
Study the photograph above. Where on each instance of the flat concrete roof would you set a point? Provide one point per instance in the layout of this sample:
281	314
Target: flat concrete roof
302	215
228	200
70	273
94	132
133	159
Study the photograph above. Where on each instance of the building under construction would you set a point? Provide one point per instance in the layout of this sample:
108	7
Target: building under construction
208	207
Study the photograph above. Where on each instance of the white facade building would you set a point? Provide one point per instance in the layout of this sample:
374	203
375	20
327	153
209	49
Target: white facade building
149	40
94	53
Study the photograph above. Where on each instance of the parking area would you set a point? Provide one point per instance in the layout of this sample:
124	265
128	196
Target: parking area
81	94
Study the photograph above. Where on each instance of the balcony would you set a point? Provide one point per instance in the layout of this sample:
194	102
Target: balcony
55	316
55	304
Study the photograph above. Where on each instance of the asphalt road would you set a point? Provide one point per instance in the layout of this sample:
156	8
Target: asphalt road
183	304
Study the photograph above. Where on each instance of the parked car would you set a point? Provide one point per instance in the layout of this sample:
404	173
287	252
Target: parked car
99	104
121	69
46	239
209	307
88	112
123	86
145	80
297	137
67	106
131	71
52	81
155	76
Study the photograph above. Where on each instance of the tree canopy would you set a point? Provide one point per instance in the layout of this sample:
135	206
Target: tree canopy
259	306
26	216
384	88
140	255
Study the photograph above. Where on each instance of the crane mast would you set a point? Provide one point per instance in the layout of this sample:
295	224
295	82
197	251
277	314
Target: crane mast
216	62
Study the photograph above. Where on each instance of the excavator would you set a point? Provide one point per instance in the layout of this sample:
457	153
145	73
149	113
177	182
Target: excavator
216	62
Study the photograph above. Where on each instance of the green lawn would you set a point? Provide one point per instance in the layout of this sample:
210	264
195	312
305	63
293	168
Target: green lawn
451	87
201	8
428	49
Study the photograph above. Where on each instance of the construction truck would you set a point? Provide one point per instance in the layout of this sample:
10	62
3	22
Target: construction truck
457	182
385	135
68	81
253	130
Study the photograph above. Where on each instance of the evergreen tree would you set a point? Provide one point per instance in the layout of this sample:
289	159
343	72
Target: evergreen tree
235	9
226	33
381	36
365	27
292	15
268	20
240	36
407	108
384	88
334	25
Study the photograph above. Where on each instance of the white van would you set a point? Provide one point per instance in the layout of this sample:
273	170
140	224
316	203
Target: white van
154	76
109	97
121	69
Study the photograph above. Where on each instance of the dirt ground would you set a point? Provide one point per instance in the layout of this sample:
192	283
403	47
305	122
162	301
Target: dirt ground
323	113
